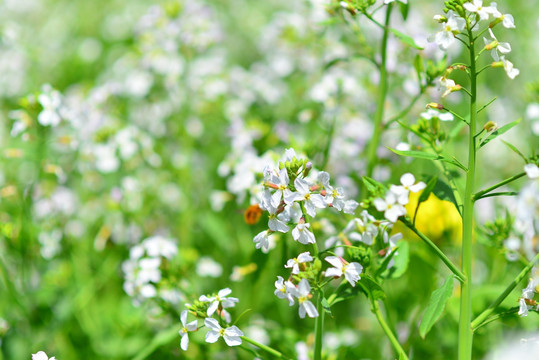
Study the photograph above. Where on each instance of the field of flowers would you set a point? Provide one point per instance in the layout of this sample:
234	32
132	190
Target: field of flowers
308	179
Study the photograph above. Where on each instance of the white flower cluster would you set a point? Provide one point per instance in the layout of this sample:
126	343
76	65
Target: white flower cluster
526	301
289	203
217	305
397	197
142	270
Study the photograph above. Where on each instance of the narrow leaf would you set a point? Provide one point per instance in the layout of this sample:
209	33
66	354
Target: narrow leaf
515	150
499	132
326	306
418	154
436	306
444	192
401	261
405	39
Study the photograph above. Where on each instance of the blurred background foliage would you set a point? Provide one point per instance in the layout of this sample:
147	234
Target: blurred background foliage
165	111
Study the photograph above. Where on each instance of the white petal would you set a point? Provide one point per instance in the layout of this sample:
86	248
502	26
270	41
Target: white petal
305	257
232	340
310	309
185	342
224	292
40	355
212	336
233	331
192	326
407	179
213	307
183	317
335	261
212	324
380	204
333	272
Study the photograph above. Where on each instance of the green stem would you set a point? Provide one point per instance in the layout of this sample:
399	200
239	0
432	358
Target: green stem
480	194
382	94
319	328
483	316
269	350
460	276
396	345
465	319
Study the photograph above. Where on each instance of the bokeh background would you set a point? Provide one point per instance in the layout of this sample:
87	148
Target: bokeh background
124	120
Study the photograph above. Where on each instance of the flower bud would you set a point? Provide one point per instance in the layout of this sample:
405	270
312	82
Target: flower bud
308	168
435	106
495	22
497	64
440	18
490	126
491	46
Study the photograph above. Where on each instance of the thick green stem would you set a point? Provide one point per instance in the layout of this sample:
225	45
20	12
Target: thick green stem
318	328
460	276
396	345
382	94
276	354
481	193
485	314
465	329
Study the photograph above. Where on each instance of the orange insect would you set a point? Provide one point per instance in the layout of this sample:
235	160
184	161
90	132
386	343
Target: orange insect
252	214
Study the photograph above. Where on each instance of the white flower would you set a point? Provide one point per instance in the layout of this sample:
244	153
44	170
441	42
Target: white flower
221	298
529	291
262	240
350	271
445	37
432	113
40	355
232	334
294	263
523	307
186	327
478	8
303	293
511	71
302	234
532	171
362	229
408	185
277	219
391	208
281	181
449	86
282	290
311	201
501	47
50	100
507	19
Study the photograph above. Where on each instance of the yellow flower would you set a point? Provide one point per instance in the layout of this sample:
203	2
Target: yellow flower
438	219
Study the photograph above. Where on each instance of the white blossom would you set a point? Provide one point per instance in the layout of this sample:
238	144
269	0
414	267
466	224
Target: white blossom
293	263
231	335
186	327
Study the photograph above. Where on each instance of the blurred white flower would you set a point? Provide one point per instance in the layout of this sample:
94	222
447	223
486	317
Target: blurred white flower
40	355
340	267
207	267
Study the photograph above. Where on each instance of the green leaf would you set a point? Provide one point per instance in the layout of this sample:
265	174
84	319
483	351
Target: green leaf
418	154
429	156
404	10
515	150
436	306
405	39
401	261
326	306
428	190
499	132
444	192
373	186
